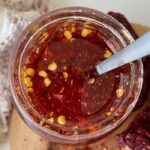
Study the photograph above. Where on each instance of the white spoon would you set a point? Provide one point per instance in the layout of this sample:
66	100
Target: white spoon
138	49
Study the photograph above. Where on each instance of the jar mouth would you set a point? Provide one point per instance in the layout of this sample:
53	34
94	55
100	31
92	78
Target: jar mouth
136	73
23	55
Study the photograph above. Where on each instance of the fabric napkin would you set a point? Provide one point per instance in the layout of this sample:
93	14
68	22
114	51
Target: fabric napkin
15	15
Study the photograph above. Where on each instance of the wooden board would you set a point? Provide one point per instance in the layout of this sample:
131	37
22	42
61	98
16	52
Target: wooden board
23	138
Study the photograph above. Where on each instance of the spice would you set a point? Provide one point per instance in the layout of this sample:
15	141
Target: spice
65	74
51	114
47	82
62	89
73	29
41	122
51	119
28	82
61	120
120	92
108	113
17	88
37	50
44	37
30	90
91	81
112	109
68	35
43	74
52	66
30	72
75	133
65	67
108	53
85	32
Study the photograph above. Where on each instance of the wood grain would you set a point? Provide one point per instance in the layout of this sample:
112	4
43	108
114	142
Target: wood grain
139	29
23	138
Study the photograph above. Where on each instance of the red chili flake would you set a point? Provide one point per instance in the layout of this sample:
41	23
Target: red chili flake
137	136
83	91
58	97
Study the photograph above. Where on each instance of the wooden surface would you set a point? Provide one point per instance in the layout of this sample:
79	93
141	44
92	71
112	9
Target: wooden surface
23	138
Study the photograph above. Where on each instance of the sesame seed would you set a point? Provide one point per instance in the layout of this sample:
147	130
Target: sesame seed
107	53
112	109
30	90
43	74
120	92
108	113
51	119
37	50
30	72
85	32
61	120
68	35
65	74
28	82
47	82
41	122
52	66
91	81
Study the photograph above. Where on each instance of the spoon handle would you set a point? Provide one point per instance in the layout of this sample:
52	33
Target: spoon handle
138	49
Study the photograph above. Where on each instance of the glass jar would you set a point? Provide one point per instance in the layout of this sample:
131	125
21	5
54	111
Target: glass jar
116	36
